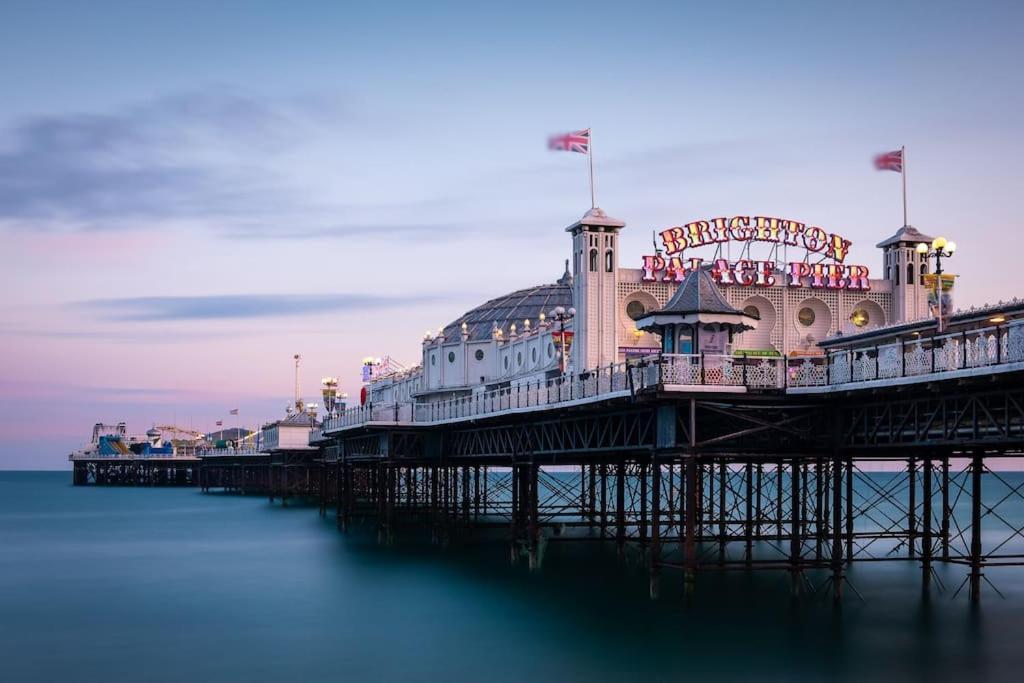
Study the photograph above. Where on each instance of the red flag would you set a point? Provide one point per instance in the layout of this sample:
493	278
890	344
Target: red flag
890	161
578	141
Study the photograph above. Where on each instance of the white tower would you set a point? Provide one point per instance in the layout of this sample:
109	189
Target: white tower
595	249
905	269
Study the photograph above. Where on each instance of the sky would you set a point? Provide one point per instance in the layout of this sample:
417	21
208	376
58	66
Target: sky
193	192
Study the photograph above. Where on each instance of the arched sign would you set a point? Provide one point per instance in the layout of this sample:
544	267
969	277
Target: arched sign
830	272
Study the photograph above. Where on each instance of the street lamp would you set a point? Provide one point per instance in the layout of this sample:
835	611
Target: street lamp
561	316
940	248
330	394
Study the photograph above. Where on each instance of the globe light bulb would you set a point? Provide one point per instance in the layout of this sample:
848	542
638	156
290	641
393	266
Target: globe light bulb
938	243
950	247
922	248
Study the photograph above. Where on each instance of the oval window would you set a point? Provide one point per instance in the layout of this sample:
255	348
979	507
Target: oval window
860	318
506	362
635	310
533	355
551	350
752	311
479	355
433	359
805	316
451	356
519	358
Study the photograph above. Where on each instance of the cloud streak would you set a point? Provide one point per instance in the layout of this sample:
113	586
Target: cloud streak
239	306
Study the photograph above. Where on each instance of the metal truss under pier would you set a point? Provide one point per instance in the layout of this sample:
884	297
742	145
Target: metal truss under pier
141	471
698	482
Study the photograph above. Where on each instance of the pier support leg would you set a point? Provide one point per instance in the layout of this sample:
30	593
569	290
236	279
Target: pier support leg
944	528
514	544
748	526
926	515
723	531
534	517
620	508
643	504
690	517
837	538
912	507
796	537
655	554
977	465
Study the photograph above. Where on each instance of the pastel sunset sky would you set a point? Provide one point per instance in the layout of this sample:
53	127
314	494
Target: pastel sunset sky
192	192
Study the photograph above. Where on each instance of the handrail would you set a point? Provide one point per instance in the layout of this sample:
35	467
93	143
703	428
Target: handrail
995	345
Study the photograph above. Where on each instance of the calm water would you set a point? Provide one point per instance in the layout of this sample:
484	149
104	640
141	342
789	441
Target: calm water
171	585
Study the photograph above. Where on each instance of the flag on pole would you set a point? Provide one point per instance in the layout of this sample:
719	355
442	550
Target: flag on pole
234	411
220	423
890	161
578	141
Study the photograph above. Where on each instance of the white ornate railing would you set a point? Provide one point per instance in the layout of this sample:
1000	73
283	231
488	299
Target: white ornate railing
927	355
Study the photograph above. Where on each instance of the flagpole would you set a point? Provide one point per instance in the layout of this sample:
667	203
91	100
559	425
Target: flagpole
903	175
590	157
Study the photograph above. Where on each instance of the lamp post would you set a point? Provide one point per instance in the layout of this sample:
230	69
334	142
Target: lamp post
940	248
561	316
330	394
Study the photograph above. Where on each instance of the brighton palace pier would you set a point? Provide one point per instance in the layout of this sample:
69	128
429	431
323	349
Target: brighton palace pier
785	411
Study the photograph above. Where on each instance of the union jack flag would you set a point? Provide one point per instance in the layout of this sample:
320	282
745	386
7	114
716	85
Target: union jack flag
571	142
890	161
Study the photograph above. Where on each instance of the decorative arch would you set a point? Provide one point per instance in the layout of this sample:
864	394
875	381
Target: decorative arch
813	327
760	338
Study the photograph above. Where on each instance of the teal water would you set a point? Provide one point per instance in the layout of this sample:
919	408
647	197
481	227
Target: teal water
112	585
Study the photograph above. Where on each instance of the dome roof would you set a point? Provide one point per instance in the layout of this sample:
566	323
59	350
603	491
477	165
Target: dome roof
524	304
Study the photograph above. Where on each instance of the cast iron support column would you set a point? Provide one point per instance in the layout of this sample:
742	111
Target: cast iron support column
976	559
642	468
849	510
689	513
655	525
926	513
796	528
748	527
620	507
534	517
592	506
912	507
604	500
944	528
837	538
722	530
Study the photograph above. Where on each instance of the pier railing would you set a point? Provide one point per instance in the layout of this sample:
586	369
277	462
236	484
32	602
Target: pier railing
933	355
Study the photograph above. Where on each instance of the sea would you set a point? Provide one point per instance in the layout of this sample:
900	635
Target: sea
164	584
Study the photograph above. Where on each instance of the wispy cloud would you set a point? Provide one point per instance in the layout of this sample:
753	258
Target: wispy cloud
224	307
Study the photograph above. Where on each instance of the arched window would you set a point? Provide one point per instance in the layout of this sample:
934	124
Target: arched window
910	273
924	271
593	260
608	261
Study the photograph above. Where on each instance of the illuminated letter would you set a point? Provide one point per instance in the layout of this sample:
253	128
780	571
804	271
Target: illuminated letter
652	265
835	276
739	228
790	229
766	274
858	276
814	239
818	275
676	270
699	233
766	229
797	271
722	273
721	229
674	240
838	247
743	274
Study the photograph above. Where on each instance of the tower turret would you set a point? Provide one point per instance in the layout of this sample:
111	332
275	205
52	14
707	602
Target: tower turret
595	248
905	269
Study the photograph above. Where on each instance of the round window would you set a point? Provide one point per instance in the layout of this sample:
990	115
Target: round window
752	311
479	355
533	355
860	317
451	356
519	358
805	316
635	310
